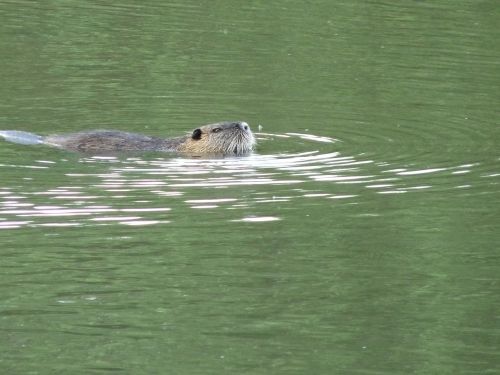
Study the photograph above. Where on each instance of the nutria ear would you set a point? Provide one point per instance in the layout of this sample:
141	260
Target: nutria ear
196	134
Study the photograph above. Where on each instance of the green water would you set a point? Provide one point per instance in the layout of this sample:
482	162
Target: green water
361	238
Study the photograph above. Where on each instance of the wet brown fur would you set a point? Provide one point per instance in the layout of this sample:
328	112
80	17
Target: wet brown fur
224	138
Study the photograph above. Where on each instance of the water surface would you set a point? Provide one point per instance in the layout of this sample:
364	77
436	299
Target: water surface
360	238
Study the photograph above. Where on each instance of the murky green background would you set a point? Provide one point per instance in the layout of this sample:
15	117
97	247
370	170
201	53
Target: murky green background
361	238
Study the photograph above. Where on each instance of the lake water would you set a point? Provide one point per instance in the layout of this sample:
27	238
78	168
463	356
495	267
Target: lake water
362	237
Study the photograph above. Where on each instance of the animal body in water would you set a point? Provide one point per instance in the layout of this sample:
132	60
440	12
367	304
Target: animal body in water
223	138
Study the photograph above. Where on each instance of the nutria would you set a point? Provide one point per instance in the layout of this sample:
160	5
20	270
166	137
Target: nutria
223	138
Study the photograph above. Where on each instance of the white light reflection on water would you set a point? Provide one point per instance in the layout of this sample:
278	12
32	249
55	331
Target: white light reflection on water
134	191
311	137
258	219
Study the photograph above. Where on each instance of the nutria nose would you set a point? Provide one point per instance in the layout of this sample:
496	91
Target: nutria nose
242	125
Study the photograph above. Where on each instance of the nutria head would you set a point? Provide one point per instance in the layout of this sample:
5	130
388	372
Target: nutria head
226	138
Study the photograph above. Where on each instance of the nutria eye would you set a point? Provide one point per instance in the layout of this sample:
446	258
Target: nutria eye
216	130
196	134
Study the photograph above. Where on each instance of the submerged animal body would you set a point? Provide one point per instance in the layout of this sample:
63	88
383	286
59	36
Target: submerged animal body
223	138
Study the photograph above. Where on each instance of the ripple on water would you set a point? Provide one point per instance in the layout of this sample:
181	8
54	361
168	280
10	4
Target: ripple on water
137	191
